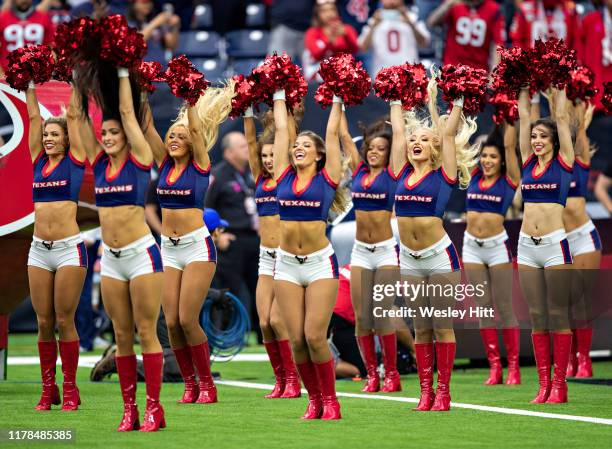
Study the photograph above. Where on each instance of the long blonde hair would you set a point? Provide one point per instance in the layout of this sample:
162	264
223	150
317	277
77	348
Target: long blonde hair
466	153
213	108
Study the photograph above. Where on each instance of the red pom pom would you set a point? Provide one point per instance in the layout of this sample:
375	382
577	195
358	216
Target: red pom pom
551	63
324	96
513	71
606	99
506	107
581	85
70	37
63	67
467	82
244	98
148	73
31	63
185	80
346	78
120	44
276	73
407	82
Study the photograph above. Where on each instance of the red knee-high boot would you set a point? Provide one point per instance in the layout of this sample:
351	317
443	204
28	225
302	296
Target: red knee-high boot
201	359
154	372
326	372
541	352
445	359
277	366
392	382
572	364
185	363
69	352
311	382
368	355
491	344
293	387
128	378
562	345
425	363
47	352
584	337
512	341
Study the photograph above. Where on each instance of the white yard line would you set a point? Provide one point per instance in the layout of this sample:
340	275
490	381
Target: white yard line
484	408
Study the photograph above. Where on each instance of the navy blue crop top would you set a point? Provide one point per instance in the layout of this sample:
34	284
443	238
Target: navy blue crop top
427	197
128	186
378	195
580	180
495	198
265	197
550	186
188	189
62	183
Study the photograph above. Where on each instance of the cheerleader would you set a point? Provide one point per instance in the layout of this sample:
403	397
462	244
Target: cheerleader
306	269
57	262
374	259
131	262
486	254
585	248
188	253
543	250
428	160
276	339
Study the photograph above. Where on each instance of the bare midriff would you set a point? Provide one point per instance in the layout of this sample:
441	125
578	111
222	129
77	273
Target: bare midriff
373	226
542	218
484	224
55	220
122	225
269	231
178	222
302	237
418	233
575	214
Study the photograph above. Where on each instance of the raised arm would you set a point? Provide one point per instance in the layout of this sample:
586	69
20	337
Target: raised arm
251	137
524	109
513	170
449	149
35	136
74	125
398	145
281	134
566	149
602	185
437	17
333	155
150	132
348	146
140	148
582	147
200	152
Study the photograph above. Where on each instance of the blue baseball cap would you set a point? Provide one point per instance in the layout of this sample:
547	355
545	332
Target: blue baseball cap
213	220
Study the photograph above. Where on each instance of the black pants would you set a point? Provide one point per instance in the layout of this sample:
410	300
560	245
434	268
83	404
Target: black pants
343	337
237	271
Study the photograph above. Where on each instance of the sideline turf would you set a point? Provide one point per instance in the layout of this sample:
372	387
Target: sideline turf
243	418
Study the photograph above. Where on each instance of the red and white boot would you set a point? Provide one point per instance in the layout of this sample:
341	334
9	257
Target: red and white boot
512	341
154	372
491	344
311	382
200	354
326	372
562	345
185	363
293	387
69	352
47	352
277	366
541	352
445	359
584	337
425	364
393	381
128	380
368	355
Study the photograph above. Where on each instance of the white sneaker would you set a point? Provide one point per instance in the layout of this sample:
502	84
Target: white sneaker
100	343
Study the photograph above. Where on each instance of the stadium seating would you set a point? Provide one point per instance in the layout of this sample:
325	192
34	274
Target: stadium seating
255	15
202	17
247	43
199	44
244	66
156	52
215	70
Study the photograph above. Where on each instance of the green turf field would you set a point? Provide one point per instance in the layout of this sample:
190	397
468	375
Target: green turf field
244	419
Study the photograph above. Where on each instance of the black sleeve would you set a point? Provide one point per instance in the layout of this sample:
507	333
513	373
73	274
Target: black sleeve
152	193
213	190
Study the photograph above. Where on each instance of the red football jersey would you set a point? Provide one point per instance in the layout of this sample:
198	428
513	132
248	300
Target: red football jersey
15	32
532	22
344	306
595	50
472	32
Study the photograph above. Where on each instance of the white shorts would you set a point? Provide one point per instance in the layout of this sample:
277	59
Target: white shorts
375	255
53	255
137	258
584	239
304	270
490	251
267	258
197	246
441	257
546	251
